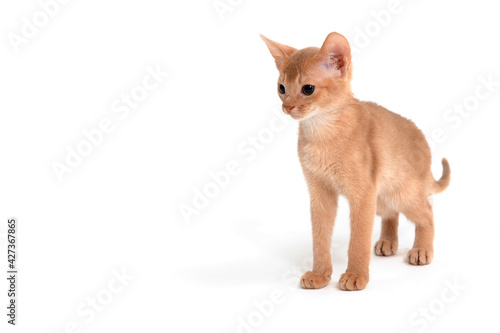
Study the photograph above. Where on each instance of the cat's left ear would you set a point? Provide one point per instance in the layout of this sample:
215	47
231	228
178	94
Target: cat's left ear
280	52
335	54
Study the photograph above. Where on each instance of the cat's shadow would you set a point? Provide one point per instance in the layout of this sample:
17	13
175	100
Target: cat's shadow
281	257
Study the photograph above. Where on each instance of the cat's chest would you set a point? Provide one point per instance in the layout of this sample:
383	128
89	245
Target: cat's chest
320	159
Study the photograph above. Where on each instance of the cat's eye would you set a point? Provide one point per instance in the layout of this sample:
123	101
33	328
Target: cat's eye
281	89
308	89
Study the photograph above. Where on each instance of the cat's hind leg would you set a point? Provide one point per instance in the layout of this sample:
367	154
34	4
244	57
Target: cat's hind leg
388	243
420	213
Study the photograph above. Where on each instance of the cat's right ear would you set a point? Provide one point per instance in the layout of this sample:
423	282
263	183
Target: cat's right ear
279	51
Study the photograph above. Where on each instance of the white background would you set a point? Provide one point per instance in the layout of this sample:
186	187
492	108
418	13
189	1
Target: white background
119	209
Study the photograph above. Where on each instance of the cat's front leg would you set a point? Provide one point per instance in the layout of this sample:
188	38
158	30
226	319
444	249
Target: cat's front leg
363	205
323	210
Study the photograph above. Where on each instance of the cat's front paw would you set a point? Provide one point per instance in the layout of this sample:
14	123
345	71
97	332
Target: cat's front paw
419	256
385	247
311	280
350	281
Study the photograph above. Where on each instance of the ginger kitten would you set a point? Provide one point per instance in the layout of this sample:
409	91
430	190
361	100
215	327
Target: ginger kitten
377	159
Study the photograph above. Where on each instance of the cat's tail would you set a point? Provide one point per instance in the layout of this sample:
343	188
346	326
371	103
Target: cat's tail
441	184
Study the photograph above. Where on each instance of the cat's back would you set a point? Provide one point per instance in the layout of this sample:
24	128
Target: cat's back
400	147
393	126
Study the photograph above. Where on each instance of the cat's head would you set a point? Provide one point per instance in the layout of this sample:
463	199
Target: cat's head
313	80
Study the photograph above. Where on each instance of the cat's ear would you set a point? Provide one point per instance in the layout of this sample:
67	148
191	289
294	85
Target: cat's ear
335	54
279	51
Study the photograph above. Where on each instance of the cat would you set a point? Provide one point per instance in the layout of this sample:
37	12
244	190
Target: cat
379	160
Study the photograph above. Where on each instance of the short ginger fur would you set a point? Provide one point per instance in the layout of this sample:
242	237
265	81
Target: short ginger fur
379	160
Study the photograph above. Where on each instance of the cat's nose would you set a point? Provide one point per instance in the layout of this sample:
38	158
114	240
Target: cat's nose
289	108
